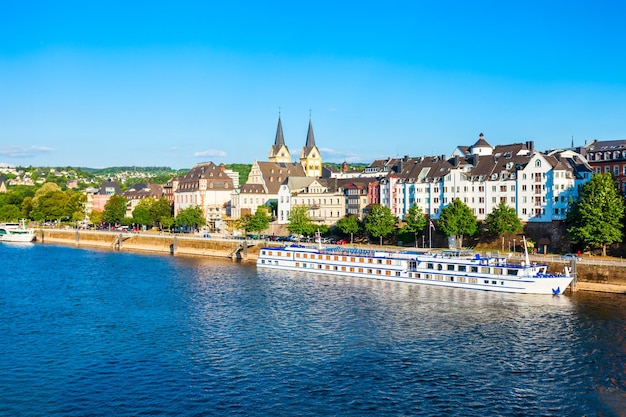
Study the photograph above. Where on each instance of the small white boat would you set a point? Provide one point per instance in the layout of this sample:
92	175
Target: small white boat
447	269
16	232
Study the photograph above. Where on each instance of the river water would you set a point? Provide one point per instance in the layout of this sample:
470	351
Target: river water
99	333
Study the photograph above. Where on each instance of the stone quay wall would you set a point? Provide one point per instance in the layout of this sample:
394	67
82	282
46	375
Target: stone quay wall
171	244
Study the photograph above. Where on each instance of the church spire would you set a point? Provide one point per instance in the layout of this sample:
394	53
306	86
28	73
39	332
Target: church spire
279	151
280	140
310	138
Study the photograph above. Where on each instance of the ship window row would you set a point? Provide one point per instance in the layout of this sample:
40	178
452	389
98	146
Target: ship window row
473	269
343	258
342	268
469	280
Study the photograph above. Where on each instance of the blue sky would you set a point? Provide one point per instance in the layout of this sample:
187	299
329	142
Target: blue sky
101	84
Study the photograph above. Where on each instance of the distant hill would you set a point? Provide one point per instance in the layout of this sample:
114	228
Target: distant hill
117	170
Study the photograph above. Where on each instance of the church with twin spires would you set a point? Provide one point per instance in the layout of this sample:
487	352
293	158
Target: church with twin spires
310	157
265	178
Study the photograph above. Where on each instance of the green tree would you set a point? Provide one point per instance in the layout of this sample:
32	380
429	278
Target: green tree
299	221
415	222
75	205
457	220
595	219
260	220
45	189
166	222
349	225
10	213
380	222
191	217
51	206
27	207
114	209
95	217
503	220
141	213
160	209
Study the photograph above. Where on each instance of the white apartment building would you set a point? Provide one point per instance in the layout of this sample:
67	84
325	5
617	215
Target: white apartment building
208	186
537	185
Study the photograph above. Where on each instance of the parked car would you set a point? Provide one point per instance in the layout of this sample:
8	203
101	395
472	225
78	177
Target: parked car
342	242
569	256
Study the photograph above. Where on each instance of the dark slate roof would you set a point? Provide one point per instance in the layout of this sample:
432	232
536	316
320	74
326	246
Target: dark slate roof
383	166
205	171
360	183
109	184
607	145
310	139
280	139
578	165
252	189
144	190
274	173
481	142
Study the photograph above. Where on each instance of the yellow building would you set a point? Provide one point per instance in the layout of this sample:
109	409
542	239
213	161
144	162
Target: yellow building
310	157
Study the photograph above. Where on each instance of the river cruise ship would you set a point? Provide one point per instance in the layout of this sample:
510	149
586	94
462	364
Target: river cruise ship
448	268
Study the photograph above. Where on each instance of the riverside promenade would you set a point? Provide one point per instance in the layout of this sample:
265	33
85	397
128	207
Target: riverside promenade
167	244
593	274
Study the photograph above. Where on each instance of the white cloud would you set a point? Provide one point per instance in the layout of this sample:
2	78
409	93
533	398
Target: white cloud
24	151
333	155
211	152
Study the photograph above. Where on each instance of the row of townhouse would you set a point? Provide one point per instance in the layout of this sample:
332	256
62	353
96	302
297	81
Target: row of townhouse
539	186
608	156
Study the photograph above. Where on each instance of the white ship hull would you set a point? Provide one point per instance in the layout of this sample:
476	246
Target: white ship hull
14	232
444	269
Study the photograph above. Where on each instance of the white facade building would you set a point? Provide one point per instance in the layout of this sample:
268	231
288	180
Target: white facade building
539	186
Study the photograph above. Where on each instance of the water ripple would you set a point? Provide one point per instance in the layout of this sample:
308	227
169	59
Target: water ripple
102	333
